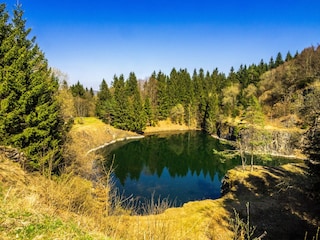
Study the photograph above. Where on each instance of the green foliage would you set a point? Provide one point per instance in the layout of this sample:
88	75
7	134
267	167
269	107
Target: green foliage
148	112
104	101
30	116
84	101
163	97
177	114
276	88
26	225
127	110
78	90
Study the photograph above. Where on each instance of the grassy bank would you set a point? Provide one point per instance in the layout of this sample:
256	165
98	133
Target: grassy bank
167	125
72	207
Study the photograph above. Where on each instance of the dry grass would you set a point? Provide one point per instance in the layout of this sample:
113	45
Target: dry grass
86	134
167	125
33	206
281	200
71	207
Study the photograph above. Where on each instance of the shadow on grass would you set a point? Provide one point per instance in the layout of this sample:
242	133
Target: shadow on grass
281	202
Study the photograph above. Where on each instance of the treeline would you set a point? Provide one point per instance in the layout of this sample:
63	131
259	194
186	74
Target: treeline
204	99
200	99
37	105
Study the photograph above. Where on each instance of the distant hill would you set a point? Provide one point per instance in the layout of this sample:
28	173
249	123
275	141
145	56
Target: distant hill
293	88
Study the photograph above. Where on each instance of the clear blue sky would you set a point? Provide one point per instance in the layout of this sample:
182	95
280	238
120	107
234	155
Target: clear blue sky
96	39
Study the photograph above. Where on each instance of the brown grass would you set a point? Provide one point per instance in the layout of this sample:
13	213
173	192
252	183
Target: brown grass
167	125
86	134
73	207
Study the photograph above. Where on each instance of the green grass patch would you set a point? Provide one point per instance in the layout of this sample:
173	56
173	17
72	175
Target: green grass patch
26	225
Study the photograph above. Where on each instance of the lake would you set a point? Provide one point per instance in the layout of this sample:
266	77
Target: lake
182	167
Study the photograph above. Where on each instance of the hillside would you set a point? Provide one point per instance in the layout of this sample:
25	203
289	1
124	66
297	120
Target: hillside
52	182
70	207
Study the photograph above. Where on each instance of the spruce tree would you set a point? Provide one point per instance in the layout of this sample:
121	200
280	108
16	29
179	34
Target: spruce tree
30	116
104	102
150	93
120	117
137	118
288	56
279	60
163	97
148	112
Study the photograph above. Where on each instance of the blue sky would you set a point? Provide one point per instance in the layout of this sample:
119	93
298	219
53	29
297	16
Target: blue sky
92	40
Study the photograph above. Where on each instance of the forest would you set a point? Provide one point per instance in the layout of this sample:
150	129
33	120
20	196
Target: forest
278	89
38	106
48	187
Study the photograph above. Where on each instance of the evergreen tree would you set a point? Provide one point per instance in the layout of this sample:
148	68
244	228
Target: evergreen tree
200	96
279	60
288	57
4	26
271	63
84	100
150	93
120	111
104	102
263	67
78	90
173	89
148	112
163	97
137	119
30	116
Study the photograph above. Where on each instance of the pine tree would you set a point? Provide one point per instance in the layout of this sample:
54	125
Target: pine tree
279	60
121	105
104	102
30	116
200	100
163	97
150	93
137	118
78	90
288	57
271	63
84	100
148	112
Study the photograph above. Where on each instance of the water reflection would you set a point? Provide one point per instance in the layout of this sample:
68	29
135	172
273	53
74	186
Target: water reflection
181	166
184	166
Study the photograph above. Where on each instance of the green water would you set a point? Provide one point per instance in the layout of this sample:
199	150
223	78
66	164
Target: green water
180	166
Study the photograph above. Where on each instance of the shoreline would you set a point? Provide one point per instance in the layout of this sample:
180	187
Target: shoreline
302	157
114	141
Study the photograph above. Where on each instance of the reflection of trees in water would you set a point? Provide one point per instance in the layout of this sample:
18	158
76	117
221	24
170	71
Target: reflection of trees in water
179	153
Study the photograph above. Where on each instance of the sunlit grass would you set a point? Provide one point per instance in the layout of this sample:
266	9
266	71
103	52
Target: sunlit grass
72	207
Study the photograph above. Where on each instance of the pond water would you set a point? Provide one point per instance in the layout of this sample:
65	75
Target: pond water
181	167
